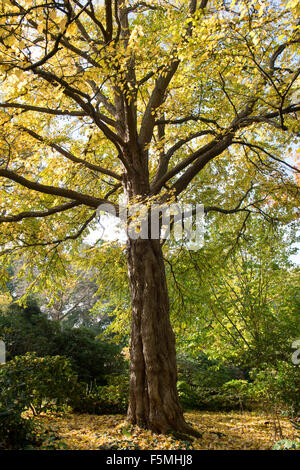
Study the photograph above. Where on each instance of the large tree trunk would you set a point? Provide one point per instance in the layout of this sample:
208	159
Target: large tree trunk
154	399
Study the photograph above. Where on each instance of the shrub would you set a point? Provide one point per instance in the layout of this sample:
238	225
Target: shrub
90	358
279	387
41	383
206	373
15	431
27	329
286	444
233	395
107	399
241	392
206	384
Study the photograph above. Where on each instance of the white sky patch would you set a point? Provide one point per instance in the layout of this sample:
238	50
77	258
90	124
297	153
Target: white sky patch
296	258
109	229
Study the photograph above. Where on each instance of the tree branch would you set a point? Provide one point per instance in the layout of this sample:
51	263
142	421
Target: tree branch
66	153
78	96
166	157
187	119
85	199
258	147
206	153
156	100
33	214
68	237
41	109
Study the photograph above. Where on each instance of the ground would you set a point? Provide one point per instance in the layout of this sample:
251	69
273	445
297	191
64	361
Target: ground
228	431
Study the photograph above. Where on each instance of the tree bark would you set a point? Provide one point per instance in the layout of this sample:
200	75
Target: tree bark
153	401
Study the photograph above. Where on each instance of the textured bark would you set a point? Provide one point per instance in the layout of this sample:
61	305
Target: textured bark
154	399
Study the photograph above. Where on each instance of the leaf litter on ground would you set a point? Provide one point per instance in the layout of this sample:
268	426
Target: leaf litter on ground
219	431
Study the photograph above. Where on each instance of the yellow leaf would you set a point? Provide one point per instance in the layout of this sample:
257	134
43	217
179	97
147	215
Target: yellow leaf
40	28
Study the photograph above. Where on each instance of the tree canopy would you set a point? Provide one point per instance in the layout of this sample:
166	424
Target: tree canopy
82	81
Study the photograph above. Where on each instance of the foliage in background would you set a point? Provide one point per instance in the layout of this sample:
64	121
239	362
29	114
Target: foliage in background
43	383
279	388
108	399
27	329
240	303
15	431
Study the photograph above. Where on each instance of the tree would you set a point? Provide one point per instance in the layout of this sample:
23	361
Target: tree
241	307
103	98
72	304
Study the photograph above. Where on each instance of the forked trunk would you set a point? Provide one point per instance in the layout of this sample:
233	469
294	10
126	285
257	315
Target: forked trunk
154	399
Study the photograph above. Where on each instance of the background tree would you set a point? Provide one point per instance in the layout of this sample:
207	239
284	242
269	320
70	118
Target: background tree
239	304
72	305
28	330
139	98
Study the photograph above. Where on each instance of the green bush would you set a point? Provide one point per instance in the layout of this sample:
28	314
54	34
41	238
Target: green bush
15	431
241	392
275	388
206	384
233	395
286	444
91	359
18	432
41	383
107	399
27	329
279	387
206	373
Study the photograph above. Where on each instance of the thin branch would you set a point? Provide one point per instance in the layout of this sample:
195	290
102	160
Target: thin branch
258	147
68	237
78	96
187	119
235	209
66	153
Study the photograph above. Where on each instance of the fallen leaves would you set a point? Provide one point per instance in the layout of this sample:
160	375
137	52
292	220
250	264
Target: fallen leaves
229	431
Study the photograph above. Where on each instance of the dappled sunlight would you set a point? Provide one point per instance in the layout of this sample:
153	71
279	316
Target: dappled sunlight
227	431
